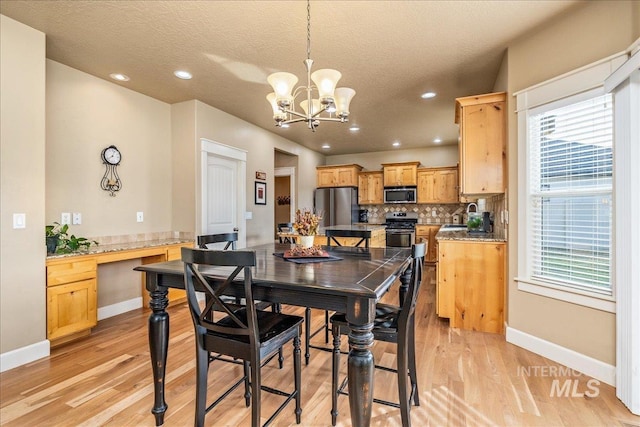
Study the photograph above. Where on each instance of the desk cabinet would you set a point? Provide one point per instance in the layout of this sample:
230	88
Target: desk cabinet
438	185
482	145
470	284
337	176
400	174
72	288
72	298
370	188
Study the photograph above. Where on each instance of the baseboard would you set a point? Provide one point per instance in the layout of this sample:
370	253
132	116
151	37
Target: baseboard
119	308
570	358
22	356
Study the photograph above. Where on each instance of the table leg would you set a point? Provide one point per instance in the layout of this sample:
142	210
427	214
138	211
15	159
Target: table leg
158	345
360	372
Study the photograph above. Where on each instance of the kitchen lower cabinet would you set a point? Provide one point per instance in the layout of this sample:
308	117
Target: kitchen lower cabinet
427	234
470	284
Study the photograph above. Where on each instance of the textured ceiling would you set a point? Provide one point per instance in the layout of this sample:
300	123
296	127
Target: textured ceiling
388	51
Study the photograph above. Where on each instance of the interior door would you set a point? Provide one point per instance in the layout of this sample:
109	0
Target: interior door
221	195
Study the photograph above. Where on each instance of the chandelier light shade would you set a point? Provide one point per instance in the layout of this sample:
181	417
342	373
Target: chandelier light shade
327	103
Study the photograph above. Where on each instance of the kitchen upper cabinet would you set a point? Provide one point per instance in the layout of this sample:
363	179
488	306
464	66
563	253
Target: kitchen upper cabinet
438	185
337	175
370	188
482	121
400	174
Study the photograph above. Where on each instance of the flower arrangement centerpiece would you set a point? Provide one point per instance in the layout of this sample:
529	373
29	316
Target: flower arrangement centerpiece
306	225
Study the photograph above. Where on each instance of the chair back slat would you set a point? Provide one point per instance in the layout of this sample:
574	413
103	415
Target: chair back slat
196	261
209	239
364	235
418	252
285	227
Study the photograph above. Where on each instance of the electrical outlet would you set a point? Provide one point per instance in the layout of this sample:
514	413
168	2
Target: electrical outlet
77	218
65	218
140	216
434	213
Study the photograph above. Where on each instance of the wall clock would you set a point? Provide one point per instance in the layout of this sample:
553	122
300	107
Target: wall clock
111	182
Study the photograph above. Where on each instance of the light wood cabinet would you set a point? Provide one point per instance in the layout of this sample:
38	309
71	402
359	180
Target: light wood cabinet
427	234
470	284
438	185
71	298
378	239
72	288
482	149
400	174
370	188
337	175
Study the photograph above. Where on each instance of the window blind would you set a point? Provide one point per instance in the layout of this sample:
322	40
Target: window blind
570	187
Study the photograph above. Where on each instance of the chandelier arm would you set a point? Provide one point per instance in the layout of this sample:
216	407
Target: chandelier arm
295	113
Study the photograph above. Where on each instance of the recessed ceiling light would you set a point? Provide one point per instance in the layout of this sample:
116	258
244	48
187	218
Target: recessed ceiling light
437	140
184	75
119	77
396	144
428	95
326	146
354	128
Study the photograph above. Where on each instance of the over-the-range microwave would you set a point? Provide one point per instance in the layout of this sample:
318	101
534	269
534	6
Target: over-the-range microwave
400	195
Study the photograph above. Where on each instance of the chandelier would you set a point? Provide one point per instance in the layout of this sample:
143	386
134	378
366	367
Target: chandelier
331	104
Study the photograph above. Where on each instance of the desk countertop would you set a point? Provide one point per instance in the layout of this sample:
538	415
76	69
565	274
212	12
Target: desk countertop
101	249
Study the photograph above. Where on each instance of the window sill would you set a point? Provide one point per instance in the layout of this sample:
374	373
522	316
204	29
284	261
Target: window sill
599	302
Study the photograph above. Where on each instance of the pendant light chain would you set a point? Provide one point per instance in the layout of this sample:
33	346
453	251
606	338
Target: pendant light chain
308	29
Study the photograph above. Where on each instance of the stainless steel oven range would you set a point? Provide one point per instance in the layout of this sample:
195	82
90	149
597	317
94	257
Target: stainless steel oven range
401	229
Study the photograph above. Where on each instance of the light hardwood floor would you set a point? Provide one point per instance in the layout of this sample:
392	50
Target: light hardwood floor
465	379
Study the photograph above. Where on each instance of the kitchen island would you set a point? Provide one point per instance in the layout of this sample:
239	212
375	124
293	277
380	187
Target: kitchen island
376	232
470	283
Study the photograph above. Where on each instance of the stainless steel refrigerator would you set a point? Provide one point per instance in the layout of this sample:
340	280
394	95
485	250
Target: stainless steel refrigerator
338	206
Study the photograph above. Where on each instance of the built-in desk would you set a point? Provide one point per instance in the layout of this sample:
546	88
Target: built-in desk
72	284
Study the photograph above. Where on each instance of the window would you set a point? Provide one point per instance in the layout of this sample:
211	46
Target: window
565	187
569	190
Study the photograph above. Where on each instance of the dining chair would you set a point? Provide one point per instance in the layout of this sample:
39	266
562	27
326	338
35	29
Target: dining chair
244	332
285	227
365	237
231	239
393	324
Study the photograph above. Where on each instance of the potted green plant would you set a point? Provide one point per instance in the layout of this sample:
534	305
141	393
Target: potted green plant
59	241
52	236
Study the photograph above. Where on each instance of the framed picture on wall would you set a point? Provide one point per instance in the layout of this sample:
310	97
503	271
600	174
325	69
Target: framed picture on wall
261	193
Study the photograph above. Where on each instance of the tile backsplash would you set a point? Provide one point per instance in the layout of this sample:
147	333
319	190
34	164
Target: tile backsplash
443	213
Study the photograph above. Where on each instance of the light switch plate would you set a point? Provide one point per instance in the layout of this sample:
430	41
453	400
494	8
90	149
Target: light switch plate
77	218
19	220
140	216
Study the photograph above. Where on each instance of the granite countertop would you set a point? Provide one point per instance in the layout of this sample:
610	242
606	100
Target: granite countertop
464	235
100	249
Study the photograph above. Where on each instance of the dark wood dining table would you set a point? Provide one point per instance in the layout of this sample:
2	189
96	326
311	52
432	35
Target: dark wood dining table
351	285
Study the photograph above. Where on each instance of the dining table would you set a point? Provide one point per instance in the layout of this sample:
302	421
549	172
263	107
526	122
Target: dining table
348	280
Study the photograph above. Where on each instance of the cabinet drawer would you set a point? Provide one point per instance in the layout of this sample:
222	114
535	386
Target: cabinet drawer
71	308
71	271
